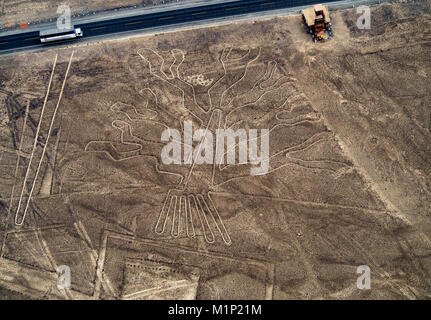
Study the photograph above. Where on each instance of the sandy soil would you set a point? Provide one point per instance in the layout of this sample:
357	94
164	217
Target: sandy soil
349	173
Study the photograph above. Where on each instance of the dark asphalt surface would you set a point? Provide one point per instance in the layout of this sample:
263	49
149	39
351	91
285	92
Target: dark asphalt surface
158	19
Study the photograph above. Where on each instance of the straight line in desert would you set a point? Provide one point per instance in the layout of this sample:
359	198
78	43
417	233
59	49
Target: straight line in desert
36	135
325	205
19	151
16	172
34	229
179	284
44	147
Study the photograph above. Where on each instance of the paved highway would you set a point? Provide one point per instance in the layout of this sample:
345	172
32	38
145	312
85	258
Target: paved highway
159	19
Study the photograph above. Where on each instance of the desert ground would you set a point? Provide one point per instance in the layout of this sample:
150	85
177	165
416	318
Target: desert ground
84	185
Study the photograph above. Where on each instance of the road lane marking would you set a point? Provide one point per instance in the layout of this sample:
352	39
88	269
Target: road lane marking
166	18
98	28
196	13
135	22
229	9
